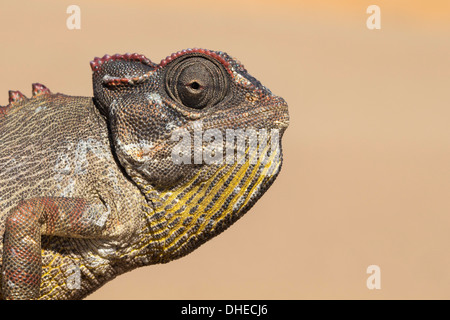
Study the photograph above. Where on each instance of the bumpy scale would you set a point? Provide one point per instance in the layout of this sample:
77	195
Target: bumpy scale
90	188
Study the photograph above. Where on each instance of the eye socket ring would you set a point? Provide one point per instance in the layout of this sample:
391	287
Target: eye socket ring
196	81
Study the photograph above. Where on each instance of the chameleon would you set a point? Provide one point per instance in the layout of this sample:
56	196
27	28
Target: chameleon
162	158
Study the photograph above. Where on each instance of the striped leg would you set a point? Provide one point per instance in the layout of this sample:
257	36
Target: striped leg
22	265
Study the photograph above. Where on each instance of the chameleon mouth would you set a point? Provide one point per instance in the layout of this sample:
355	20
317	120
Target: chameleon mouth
281	116
282	124
280	113
264	117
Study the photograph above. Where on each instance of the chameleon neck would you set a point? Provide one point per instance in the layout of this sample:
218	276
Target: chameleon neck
182	219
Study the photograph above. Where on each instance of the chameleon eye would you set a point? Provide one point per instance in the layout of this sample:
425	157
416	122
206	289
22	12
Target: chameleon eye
196	82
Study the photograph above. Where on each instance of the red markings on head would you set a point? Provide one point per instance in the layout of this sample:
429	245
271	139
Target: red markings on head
207	52
15	96
119	81
39	89
97	62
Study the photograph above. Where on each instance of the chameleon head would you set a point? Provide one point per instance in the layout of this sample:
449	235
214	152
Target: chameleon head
197	133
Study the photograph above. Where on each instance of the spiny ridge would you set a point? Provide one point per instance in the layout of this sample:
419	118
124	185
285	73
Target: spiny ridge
213	54
97	62
16	97
39	89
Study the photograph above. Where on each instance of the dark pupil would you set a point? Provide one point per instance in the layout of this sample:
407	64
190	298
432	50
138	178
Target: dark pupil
196	82
195	85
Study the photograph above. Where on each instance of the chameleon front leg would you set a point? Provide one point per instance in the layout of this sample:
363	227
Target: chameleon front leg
22	264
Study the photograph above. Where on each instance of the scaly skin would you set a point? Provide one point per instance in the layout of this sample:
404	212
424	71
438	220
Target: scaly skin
89	188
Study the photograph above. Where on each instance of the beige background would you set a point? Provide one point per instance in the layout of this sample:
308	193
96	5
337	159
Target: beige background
366	178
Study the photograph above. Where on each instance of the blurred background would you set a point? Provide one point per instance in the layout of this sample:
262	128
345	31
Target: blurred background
366	176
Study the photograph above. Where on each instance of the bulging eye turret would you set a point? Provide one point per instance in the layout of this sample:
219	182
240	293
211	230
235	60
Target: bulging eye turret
196	82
